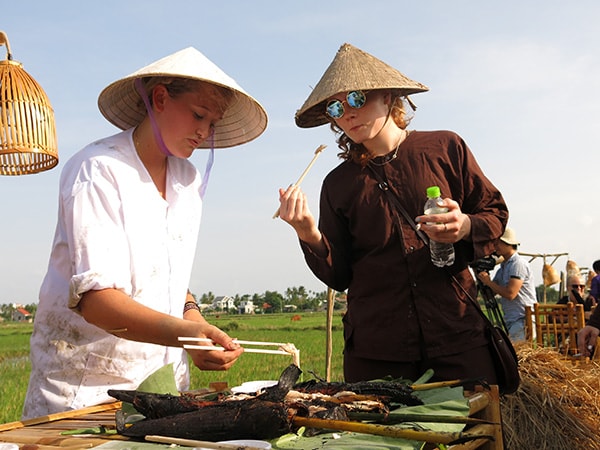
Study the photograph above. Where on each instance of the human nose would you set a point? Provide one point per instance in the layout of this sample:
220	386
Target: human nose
203	132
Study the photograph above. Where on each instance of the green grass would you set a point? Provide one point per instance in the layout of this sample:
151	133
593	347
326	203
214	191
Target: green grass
308	335
14	369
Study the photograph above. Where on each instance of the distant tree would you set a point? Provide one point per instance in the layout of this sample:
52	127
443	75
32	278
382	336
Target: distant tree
32	308
274	300
207	299
552	295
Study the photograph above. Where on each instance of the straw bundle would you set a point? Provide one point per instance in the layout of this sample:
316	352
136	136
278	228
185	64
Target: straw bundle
27	129
572	268
557	405
549	275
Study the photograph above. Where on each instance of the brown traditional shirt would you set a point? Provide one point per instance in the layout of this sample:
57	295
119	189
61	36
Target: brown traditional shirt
400	306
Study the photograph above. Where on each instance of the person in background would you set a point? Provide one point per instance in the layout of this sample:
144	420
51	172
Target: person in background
595	285
115	298
404	315
587	337
514	283
576	287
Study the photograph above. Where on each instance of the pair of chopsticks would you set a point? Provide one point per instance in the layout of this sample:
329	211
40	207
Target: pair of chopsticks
279	351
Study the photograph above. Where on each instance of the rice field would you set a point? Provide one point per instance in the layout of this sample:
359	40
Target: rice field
308	334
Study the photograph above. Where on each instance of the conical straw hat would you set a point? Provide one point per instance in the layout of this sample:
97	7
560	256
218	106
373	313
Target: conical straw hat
244	120
352	69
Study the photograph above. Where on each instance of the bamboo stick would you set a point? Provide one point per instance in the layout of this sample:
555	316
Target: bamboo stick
436	437
59	416
436	384
400	417
201	444
318	151
329	333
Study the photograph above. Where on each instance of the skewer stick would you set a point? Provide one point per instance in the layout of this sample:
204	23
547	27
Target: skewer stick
318	151
198	444
438	437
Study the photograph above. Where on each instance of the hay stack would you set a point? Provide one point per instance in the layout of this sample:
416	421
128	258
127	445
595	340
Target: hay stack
557	405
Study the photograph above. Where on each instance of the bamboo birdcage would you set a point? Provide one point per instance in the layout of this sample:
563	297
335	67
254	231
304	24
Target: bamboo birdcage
27	129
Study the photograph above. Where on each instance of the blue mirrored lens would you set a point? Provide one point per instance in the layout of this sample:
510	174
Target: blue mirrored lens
335	109
356	99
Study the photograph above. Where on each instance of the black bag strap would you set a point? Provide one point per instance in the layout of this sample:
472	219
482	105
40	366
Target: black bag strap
395	201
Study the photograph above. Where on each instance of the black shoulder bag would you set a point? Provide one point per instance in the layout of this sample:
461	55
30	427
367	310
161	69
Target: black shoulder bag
503	353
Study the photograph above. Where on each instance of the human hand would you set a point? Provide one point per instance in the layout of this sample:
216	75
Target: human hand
484	277
586	339
448	227
221	359
295	211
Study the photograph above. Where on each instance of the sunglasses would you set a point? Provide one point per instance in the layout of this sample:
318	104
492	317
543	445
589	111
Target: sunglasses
577	286
355	99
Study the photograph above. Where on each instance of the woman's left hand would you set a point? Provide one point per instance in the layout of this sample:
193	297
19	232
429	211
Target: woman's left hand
448	227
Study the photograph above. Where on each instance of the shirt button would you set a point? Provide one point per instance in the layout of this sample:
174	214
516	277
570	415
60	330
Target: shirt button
414	284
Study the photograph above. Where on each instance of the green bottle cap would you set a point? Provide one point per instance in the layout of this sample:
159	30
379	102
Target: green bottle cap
433	192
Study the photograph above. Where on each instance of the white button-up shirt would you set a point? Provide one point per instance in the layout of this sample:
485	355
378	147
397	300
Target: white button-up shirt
114	231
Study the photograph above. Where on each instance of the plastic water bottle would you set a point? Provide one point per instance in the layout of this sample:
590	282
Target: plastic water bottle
442	254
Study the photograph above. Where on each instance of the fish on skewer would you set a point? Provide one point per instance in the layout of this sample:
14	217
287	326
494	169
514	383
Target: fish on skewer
394	392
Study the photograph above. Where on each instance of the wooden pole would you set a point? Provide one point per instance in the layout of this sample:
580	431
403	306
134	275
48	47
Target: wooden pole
329	346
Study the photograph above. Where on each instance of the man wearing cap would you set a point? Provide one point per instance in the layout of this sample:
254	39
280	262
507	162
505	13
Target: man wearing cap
514	283
115	298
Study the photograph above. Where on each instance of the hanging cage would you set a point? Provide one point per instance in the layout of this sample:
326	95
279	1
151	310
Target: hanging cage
27	129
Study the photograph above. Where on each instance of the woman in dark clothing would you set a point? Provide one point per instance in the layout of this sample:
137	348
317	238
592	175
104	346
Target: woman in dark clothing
404	314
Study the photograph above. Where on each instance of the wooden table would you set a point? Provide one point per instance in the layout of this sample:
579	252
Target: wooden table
44	433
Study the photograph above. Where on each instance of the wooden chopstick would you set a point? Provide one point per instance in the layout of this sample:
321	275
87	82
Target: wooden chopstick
239	341
318	151
246	350
195	443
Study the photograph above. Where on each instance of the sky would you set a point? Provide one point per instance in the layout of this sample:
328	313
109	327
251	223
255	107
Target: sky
518	80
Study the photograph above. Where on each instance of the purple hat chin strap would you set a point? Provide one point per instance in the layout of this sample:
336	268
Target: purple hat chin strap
139	86
209	164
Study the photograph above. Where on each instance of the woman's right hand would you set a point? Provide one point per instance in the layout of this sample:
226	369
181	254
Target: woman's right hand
221	359
294	210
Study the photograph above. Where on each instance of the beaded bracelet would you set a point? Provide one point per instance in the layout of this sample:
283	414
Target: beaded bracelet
190	305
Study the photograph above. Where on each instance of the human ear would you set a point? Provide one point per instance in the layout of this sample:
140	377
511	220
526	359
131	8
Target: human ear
159	96
387	98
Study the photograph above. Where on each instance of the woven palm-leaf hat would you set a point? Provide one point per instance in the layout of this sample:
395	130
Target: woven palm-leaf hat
244	120
352	69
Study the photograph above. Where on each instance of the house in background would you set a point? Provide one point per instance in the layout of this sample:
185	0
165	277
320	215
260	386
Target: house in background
246	307
21	315
223	303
